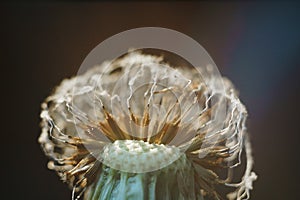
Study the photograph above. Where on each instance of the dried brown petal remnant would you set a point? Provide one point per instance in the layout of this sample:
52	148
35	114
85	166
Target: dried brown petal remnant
140	128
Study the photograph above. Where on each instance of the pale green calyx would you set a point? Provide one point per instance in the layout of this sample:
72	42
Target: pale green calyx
173	182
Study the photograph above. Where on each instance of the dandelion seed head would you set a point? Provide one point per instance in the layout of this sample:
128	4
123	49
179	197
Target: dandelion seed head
139	114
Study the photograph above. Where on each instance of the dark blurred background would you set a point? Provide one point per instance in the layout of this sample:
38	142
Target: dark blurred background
255	44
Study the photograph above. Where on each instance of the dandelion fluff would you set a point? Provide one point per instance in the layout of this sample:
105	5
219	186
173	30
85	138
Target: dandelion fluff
140	128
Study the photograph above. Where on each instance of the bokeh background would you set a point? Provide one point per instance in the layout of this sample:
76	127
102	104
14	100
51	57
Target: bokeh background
255	44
